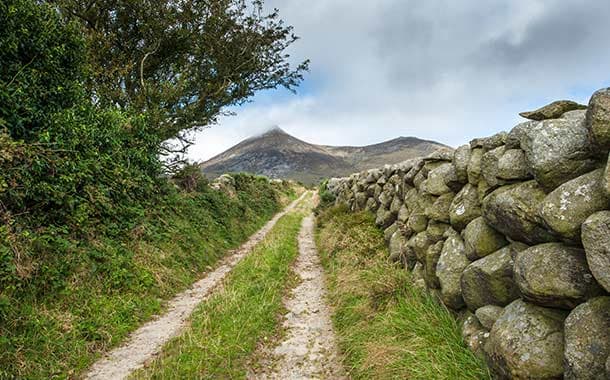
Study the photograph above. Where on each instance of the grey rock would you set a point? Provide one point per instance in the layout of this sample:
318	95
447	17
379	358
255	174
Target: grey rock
598	119
439	210
373	175
396	204
567	207
607	178
432	256
439	179
417	276
385	218
513	140
513	166
557	150
451	264
489	166
554	275
371	205
474	335
489	143
465	207
417	222
403	214
397	246
441	154
553	110
437	230
388	232
461	158
513	210
420	243
526	342
596	240
481	239
488	315
360	201
474	166
489	281
587	340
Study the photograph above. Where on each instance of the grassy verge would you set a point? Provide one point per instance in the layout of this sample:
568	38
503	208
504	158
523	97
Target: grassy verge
90	293
387	329
225	329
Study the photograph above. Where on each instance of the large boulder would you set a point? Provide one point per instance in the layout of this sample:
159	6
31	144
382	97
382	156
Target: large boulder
526	342
489	281
512	165
420	243
465	207
490	142
596	240
513	210
587	340
557	150
554	275
513	139
598	119
553	110
481	239
567	207
449	268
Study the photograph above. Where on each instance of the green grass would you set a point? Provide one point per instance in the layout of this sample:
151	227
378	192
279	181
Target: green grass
226	329
99	289
387	329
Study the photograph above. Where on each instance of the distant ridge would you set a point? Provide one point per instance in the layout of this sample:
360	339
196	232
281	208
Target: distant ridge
277	154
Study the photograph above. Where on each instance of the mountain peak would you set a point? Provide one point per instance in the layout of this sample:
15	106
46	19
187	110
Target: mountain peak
274	129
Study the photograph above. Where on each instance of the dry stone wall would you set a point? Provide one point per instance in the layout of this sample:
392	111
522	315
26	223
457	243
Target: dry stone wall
512	232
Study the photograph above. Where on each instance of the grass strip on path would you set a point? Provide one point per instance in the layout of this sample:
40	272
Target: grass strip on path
387	328
226	328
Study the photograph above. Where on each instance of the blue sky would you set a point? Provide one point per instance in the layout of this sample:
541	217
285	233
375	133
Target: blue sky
440	69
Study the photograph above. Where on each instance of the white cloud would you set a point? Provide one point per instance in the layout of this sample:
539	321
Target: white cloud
439	69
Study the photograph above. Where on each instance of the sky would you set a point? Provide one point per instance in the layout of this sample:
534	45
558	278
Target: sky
442	70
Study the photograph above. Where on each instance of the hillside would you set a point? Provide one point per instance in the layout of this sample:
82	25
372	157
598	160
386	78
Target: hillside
277	154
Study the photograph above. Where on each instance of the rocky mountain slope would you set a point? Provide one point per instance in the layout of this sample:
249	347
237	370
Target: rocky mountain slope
277	154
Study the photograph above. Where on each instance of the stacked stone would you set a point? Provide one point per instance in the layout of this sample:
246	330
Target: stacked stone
512	232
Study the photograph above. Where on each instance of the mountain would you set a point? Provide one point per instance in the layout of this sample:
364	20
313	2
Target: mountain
276	154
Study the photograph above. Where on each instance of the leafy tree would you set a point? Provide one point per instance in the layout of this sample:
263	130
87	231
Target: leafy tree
182	62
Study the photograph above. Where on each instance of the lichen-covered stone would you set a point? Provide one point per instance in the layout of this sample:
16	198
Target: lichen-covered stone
554	275
526	342
489	166
439	210
513	210
461	158
557	150
513	139
489	143
481	239
474	334
373	175
488	315
388	232
474	166
465	207
587	340
396	204
596	240
417	222
553	110
385	218
607	178
417	276
431	260
397	246
598	119
360	201
371	205
449	268
403	214
439	178
436	230
489	281
512	165
420	243
567	207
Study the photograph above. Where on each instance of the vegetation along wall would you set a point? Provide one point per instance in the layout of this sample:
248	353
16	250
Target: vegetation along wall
512	232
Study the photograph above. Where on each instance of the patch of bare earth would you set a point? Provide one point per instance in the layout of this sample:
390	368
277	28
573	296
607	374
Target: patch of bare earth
308	348
147	341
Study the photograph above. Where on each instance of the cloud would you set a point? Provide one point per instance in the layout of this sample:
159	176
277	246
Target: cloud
439	69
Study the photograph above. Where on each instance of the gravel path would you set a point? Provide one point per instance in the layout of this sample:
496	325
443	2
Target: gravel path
148	340
308	350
